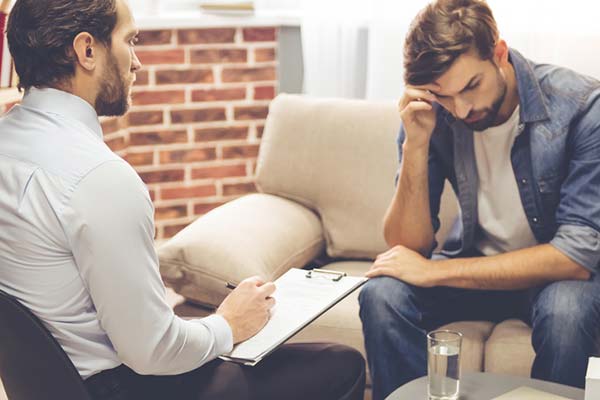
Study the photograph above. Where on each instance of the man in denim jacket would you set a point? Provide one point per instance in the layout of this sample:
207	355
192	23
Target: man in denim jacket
520	144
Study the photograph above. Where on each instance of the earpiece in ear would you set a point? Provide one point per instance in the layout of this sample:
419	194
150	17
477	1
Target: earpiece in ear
88	52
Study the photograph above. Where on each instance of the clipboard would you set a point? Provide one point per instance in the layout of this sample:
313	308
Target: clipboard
301	297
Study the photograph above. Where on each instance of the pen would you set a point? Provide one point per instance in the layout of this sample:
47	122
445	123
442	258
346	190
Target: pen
230	285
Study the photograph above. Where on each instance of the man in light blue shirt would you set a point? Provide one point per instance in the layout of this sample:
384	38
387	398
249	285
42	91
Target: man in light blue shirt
76	237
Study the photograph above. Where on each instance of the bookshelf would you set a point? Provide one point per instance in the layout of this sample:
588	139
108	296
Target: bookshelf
9	95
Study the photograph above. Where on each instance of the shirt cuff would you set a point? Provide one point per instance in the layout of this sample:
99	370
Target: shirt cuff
579	243
222	331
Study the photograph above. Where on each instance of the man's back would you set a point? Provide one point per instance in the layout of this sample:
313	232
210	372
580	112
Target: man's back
44	155
79	248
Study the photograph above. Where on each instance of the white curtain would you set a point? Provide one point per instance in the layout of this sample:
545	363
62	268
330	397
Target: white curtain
552	31
333	51
353	48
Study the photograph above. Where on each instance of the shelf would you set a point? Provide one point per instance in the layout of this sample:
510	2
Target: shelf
10	95
198	19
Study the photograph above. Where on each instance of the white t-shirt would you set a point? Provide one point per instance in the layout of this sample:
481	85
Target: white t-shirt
501	216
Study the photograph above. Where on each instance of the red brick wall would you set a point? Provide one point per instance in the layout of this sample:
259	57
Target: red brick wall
194	129
199	106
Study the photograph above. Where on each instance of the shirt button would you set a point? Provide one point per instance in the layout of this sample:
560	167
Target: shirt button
523	181
535	219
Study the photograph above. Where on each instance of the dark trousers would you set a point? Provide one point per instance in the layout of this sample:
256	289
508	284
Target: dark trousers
295	371
564	316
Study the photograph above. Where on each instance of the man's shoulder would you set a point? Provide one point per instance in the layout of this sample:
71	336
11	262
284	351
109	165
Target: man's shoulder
62	152
564	85
58	146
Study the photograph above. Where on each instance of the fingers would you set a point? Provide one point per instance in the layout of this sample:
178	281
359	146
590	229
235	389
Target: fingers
419	94
267	289
270	302
429	86
389	253
415	106
412	94
254	280
379	271
384	263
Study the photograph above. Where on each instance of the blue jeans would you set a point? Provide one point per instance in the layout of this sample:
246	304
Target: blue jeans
564	316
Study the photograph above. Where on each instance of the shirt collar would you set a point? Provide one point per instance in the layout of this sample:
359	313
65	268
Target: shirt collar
531	97
64	104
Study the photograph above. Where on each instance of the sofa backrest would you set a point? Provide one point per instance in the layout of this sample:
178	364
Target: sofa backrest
338	158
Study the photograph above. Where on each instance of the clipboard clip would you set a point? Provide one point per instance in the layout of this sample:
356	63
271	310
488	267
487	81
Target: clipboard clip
335	276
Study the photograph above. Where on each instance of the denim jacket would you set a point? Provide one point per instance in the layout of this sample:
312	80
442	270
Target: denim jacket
555	158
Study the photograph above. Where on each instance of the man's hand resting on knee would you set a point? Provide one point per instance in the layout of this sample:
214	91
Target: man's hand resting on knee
247	308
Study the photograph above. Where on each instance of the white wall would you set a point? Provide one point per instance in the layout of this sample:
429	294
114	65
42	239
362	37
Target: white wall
337	62
565	33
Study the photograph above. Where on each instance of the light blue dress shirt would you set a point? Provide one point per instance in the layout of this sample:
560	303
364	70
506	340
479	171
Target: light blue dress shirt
76	245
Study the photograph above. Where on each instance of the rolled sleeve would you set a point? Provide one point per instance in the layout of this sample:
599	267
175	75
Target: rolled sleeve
578	211
579	243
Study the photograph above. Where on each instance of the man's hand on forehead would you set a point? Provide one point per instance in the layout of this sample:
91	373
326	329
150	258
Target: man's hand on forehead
429	87
422	92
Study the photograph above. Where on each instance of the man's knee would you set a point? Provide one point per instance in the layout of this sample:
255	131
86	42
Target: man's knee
340	370
385	299
567	308
348	359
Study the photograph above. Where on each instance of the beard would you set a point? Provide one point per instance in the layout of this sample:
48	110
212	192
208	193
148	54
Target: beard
113	95
491	113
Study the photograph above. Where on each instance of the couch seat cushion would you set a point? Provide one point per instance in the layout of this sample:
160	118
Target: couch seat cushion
509	350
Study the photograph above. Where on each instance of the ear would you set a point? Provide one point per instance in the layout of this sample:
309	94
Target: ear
501	53
86	50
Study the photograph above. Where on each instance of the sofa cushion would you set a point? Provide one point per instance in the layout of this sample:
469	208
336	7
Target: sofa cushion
509	349
337	157
475	334
257	234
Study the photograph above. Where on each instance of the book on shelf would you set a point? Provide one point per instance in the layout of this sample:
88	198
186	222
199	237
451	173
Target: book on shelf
227	7
2	33
8	74
5	61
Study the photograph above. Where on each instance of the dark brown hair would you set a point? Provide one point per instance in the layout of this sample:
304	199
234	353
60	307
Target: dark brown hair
443	31
41	33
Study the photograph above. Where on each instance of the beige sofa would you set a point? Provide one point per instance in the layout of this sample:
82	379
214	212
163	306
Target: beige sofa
325	175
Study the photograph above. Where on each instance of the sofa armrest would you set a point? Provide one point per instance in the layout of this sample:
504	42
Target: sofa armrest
258	234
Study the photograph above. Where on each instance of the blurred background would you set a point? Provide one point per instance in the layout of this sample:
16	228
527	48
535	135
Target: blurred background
353	48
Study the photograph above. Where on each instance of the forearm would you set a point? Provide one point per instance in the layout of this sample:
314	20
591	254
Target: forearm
519	269
408	219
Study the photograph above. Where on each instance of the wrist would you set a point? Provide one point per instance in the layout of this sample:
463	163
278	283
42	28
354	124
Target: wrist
441	275
415	147
229	321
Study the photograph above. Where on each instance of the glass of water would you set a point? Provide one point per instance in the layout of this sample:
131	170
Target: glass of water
443	364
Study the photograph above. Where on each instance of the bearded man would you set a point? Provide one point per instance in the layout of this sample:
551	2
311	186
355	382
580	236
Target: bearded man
519	142
76	232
